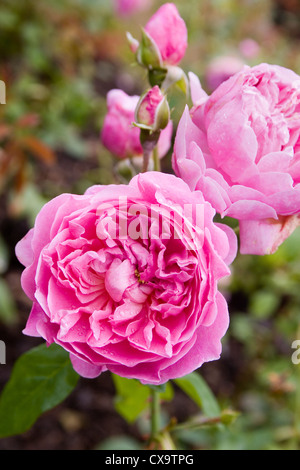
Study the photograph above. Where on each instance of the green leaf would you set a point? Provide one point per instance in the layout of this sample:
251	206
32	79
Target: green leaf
198	390
119	443
131	399
41	379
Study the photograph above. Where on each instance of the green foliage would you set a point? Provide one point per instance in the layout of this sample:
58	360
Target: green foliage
132	397
8	309
197	389
120	443
40	380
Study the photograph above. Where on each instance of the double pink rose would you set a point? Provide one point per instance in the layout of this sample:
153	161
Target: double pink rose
241	148
118	133
125	278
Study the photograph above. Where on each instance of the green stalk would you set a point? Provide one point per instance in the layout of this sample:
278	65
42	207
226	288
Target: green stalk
155	414
156	159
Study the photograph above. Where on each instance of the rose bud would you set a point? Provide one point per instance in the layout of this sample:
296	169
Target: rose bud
249	48
163	45
152	111
168	30
118	133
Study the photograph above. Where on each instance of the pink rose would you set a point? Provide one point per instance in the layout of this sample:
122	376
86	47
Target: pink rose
129	7
168	31
220	69
249	48
119	135
125	278
241	147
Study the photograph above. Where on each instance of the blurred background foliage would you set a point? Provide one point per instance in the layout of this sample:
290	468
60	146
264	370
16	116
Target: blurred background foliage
58	60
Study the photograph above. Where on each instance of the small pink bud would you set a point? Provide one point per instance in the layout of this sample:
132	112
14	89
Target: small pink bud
249	48
168	30
119	135
152	111
133	43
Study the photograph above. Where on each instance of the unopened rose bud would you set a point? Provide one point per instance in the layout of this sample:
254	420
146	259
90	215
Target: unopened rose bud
152	111
169	32
120	136
162	46
249	48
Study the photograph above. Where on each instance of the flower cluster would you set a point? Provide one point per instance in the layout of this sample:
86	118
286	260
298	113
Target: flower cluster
126	277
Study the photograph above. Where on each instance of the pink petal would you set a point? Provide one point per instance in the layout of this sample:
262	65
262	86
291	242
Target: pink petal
86	369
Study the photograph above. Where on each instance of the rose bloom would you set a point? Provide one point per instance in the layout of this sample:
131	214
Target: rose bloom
129	7
169	32
118	133
241	148
125	278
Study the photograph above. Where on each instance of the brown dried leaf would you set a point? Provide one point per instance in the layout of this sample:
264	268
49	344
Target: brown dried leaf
39	149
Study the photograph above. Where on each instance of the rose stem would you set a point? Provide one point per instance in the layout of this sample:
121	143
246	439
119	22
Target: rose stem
156	160
155	414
